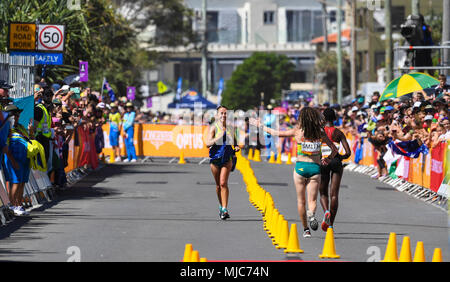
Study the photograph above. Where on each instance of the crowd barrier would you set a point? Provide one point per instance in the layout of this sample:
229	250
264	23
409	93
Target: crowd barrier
426	177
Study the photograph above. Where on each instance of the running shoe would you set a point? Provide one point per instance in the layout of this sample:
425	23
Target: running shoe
133	161
326	221
118	159
220	212
313	222
126	160
19	211
225	214
307	233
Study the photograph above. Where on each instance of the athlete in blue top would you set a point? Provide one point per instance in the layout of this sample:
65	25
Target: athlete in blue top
220	142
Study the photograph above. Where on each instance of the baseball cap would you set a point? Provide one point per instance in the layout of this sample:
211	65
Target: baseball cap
382	110
380	117
57	102
129	104
113	105
101	105
355	109
428	117
389	108
417	105
12	108
5	85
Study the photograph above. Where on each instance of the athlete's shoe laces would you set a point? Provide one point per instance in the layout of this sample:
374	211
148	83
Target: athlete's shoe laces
326	221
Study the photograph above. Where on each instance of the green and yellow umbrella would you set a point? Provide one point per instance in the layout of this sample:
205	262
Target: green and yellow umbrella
406	84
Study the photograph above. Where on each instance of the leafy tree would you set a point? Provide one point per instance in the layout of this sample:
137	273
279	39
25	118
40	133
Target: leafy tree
101	35
262	72
327	64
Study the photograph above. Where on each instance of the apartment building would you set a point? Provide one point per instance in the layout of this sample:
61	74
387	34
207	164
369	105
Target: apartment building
238	28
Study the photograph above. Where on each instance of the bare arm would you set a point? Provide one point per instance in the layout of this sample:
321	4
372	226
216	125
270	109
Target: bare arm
343	140
286	133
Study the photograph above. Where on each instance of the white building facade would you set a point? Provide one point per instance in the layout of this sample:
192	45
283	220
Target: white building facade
238	28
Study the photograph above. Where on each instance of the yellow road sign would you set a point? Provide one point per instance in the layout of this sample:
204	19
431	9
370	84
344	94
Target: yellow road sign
22	36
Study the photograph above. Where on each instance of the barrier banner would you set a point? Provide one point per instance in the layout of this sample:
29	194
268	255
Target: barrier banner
426	171
88	155
443	189
170	140
71	157
437	164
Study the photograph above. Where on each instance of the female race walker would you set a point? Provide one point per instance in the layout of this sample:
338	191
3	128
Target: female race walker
334	168
219	141
309	135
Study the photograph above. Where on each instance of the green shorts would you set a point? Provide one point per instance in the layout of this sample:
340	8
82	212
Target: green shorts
307	169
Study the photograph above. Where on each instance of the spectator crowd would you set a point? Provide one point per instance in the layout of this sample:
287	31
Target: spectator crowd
69	112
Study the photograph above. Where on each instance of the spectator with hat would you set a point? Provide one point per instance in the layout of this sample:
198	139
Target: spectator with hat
128	128
4	93
115	126
17	176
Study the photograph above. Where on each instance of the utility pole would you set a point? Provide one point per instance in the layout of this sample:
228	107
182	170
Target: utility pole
339	52
324	25
204	66
353	80
388	40
446	34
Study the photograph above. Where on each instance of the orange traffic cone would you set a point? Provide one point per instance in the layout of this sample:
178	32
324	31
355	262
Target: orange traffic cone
289	161
284	235
419	254
276	238
329	250
257	156
272	158
279	158
293	245
187	253
437	255
250	154
405	252
391	249
274	224
181	161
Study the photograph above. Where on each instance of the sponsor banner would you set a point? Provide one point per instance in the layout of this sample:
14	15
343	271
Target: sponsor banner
171	140
437	165
443	189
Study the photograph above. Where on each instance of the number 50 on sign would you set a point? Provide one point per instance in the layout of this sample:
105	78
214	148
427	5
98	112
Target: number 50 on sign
51	37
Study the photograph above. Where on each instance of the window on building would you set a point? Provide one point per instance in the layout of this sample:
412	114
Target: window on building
269	17
398	16
304	25
212	28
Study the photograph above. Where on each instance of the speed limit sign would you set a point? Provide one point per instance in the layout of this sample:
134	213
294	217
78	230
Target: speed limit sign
51	37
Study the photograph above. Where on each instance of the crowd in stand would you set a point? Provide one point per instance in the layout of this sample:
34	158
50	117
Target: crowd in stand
61	113
419	120
67	112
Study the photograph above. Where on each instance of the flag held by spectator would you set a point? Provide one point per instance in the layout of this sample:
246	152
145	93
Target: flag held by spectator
162	88
408	148
108	89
